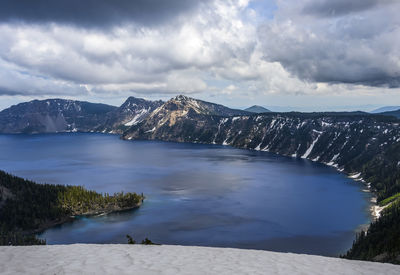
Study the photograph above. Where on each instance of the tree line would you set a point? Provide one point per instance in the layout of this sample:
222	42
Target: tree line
27	207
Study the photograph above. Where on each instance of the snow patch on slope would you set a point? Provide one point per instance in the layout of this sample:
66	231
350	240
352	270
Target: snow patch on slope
138	117
308	152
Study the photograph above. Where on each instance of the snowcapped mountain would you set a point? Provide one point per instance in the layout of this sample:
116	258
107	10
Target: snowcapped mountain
201	107
131	112
182	115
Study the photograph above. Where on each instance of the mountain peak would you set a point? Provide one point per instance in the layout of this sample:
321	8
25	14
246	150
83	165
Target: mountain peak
182	98
257	109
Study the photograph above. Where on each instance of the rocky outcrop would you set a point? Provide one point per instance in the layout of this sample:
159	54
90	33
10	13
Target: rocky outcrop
131	112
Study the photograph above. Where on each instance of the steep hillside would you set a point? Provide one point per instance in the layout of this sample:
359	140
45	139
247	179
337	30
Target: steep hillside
53	115
381	242
354	142
131	112
177	119
27	207
201	107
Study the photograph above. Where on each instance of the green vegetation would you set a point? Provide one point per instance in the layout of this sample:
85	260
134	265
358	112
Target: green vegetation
381	242
389	200
79	201
27	207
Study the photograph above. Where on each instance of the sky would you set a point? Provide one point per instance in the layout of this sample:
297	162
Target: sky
306	55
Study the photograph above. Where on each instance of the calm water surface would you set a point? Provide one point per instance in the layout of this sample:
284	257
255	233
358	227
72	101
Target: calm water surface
196	194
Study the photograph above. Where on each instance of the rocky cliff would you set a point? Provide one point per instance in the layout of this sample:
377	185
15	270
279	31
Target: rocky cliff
358	143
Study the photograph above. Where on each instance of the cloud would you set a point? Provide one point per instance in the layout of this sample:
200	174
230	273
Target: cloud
362	47
15	81
95	13
340	7
168	58
221	49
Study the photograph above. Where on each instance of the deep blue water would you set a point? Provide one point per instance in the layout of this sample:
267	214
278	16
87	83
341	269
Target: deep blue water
196	194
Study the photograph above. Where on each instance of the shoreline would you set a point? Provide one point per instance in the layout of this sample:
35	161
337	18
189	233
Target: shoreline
374	209
72	218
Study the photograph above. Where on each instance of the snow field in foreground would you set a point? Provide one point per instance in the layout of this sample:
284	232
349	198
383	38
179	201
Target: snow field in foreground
169	259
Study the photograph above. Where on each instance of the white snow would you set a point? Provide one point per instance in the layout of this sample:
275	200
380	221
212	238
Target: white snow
258	148
355	176
318	132
332	162
137	118
235	118
272	123
150	131
308	152
168	259
324	124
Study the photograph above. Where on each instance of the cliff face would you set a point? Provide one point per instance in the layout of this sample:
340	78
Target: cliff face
354	142
53	115
59	115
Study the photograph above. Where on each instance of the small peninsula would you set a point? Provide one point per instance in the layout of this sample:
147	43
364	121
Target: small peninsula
27	208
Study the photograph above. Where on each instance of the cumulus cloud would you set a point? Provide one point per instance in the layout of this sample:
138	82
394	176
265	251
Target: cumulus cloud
362	47
133	57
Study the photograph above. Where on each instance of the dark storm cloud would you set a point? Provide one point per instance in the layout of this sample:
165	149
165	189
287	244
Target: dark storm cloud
340	7
362	46
89	13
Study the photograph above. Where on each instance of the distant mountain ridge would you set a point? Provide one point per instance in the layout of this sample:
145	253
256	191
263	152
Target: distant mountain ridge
392	113
385	109
53	115
61	115
257	109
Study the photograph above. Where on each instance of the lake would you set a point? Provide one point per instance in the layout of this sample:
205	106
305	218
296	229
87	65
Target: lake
196	194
